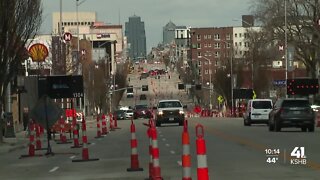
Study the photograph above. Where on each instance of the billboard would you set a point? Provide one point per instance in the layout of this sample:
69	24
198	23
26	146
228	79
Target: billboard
57	87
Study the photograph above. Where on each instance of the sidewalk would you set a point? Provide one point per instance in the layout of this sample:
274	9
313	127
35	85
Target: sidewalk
11	144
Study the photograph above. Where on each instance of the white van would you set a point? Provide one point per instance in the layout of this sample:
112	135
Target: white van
257	111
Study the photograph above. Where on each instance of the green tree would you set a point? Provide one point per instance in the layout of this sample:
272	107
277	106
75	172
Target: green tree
19	21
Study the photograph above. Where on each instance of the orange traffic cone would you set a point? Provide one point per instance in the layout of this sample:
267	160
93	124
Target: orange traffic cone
155	155
134	150
31	152
202	170
85	150
98	128
186	157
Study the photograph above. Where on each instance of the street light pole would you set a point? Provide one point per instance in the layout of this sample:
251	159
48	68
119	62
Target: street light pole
286	42
210	80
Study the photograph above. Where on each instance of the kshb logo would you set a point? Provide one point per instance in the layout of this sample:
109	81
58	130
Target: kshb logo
298	152
298	156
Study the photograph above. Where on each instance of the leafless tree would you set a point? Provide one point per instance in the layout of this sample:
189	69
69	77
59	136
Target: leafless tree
19	21
302	27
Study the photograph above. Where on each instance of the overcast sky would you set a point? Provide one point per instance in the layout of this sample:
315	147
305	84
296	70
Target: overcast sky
155	13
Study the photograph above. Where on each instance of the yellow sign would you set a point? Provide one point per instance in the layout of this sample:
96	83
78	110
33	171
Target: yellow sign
220	99
254	95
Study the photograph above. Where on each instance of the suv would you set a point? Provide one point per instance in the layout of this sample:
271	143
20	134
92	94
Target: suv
257	111
169	111
292	112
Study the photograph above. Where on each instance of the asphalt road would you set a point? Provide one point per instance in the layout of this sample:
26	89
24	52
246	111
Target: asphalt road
234	151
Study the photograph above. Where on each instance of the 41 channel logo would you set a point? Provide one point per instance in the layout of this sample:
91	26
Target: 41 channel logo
298	156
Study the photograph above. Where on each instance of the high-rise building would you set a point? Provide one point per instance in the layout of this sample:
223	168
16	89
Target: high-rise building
168	33
135	32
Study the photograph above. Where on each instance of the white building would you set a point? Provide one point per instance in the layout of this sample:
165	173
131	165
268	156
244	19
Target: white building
69	22
100	34
240	41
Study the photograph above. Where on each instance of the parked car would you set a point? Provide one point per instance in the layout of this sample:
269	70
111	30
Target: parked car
292	112
129	113
119	114
257	111
141	111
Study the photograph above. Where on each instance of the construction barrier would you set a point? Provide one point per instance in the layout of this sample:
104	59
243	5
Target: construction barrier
85	150
186	157
134	150
104	124
63	137
76	143
38	137
115	120
155	155
111	122
98	128
150	149
202	170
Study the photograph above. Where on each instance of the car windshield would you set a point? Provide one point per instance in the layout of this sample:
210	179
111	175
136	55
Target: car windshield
119	112
296	103
261	104
169	104
141	107
129	111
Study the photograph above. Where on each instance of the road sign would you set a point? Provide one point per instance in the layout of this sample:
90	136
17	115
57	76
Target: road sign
220	99
61	86
67	36
46	111
279	82
242	93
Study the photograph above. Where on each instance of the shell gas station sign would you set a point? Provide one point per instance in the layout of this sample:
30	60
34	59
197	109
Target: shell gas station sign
38	52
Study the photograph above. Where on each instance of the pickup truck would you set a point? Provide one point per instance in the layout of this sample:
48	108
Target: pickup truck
169	111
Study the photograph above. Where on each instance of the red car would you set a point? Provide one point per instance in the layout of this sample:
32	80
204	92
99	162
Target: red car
141	111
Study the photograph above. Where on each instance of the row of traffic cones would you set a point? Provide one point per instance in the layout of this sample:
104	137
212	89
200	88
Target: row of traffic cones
154	163
34	140
85	150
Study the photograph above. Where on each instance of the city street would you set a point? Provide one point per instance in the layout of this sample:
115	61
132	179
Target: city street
232	149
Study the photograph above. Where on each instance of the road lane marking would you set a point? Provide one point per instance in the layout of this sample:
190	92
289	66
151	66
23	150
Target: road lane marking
253	145
179	163
167	145
54	169
172	152
72	157
92	144
164	139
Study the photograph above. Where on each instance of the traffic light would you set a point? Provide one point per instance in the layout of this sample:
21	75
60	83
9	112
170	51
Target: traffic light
198	87
180	86
145	88
302	86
